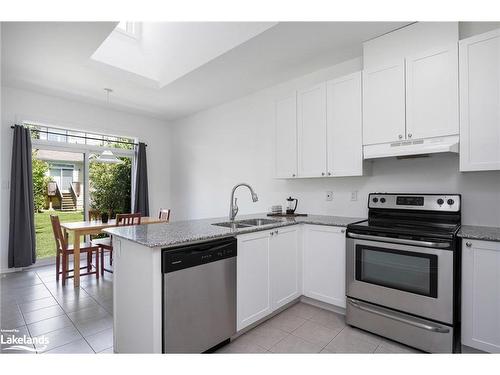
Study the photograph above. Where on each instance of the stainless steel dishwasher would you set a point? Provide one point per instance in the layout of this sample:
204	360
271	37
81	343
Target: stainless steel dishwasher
199	296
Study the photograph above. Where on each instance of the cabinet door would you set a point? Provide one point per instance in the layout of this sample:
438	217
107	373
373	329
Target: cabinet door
432	93
311	114
324	264
384	104
284	266
344	126
286	136
481	295
480	102
252	278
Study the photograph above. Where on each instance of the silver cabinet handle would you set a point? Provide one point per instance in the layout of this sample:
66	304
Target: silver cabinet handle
342	231
293	175
400	240
409	135
272	233
414	323
468	244
329	174
322	173
400	136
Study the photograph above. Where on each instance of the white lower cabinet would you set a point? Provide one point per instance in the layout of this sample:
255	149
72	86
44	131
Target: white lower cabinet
324	264
276	266
253	292
268	273
285	268
481	295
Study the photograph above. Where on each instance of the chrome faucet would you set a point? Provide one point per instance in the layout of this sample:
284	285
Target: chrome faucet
233	207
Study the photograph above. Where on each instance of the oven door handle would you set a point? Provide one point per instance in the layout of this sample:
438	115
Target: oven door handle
399	240
426	326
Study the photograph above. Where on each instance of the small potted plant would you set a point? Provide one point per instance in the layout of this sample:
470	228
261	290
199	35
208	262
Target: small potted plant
106	204
104	216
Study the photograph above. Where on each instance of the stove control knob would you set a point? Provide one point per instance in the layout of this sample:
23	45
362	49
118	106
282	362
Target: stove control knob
375	200
440	201
382	200
450	202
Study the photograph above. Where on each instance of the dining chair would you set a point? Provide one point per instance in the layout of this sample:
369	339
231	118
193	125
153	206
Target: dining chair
63	250
164	214
94	214
106	244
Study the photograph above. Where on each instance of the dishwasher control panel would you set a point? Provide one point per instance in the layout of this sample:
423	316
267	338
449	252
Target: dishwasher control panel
198	254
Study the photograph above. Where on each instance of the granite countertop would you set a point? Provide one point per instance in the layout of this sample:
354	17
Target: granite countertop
479	233
181	232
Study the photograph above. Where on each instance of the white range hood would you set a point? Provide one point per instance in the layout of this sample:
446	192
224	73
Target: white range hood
412	147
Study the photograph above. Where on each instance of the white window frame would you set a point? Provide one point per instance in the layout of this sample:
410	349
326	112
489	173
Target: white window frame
86	150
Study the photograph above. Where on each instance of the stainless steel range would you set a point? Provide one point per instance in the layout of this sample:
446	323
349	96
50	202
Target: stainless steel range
403	270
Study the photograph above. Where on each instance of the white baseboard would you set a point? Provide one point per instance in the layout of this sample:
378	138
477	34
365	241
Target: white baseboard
322	305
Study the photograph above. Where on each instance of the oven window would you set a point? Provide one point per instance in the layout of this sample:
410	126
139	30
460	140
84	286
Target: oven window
402	270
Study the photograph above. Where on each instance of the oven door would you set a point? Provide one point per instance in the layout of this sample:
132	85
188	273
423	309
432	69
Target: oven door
408	278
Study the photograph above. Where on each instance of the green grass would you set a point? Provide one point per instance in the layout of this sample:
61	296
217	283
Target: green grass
45	244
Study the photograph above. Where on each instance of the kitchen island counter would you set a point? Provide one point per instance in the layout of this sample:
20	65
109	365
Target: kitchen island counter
138	282
191	231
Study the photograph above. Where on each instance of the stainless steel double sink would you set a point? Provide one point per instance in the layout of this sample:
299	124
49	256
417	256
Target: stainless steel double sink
246	223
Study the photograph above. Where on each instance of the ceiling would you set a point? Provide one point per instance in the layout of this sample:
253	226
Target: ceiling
188	68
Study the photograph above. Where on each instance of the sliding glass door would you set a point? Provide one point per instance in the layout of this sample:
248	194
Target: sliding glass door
75	172
59	189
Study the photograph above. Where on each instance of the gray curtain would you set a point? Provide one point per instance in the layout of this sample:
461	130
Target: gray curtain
22	219
141	199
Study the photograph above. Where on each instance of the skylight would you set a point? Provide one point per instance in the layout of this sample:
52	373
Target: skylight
129	28
156	51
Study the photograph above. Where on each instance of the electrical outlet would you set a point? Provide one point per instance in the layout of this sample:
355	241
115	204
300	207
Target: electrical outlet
354	195
329	195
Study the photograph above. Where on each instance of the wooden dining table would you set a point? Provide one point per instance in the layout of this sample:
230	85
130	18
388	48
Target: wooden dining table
91	227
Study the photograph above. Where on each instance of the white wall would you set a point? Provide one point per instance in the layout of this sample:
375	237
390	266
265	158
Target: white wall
234	142
21	104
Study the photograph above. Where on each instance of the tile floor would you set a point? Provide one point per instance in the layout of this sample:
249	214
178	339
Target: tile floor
74	320
303	328
81	321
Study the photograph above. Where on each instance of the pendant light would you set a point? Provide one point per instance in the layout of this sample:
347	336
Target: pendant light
107	156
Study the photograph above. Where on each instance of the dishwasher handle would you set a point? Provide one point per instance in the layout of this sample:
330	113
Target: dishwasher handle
176	259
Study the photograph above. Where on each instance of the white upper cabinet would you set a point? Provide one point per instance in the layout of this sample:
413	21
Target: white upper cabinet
432	93
311	116
384	103
319	130
410	91
481	295
286	136
344	126
416	98
480	102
